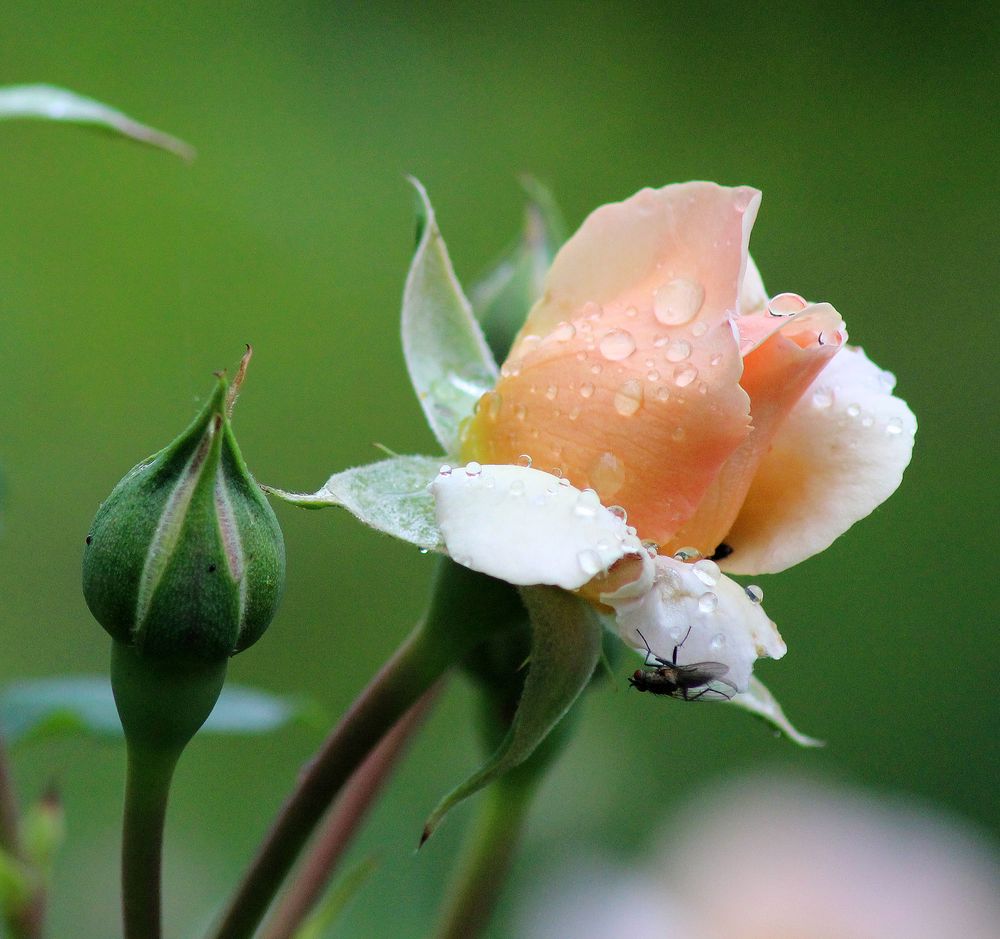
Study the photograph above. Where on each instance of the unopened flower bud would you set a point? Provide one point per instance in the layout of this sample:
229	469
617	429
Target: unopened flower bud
185	559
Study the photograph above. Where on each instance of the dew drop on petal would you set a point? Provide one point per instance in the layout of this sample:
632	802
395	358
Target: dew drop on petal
707	572
618	512
894	427
445	470
678	301
652	375
608	475
617	345
708	602
699	329
587	504
472	468
754	593
628	398
524	460
520	411
687	554
551	392
586	390
589	561
678	351
564	332
822	398
684	375
516	488
678	433
716	359
717	643
786	304
662	393
853	410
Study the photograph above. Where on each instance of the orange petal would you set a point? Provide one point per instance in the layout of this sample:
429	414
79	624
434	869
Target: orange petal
626	375
785	356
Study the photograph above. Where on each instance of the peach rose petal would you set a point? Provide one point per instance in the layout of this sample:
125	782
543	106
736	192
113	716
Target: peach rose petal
840	453
776	373
626	375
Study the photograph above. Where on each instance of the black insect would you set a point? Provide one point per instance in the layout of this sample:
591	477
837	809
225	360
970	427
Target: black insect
688	682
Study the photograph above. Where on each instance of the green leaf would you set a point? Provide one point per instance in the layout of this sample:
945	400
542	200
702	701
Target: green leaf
390	496
565	648
34	710
48	103
502	297
449	362
333	904
758	700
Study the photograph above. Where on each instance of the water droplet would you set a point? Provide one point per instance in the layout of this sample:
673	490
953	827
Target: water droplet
564	332
551	392
425	550
618	512
678	301
687	554
608	475
617	344
574	412
591	310
587	504
650	547
755	594
699	329
662	394
716	359
894	427
581	356
489	404
631	312
707	572
660	341
524	460
684	375
472	468
678	433
786	304
445	470
586	389
516	488
652	375
678	351
853	410
708	602
703	387
563	481
596	368
628	398
589	561
717	643
520	411
669	583
822	398
867	421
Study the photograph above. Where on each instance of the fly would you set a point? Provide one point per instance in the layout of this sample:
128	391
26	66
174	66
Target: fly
679	681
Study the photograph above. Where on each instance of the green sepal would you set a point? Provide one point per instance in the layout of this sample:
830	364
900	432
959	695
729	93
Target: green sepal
49	103
391	496
448	359
185	557
502	296
565	648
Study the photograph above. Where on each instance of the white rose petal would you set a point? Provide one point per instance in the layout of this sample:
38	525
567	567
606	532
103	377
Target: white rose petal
528	527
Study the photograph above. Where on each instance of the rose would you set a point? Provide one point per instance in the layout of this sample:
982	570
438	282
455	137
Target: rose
654	393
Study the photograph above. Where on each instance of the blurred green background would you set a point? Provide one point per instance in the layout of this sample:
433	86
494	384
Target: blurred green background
126	278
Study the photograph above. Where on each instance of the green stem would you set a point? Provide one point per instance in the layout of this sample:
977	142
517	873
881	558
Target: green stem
147	787
342	822
483	868
430	650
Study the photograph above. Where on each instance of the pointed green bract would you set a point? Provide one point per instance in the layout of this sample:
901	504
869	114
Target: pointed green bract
502	297
758	700
83	704
565	648
390	496
49	103
449	362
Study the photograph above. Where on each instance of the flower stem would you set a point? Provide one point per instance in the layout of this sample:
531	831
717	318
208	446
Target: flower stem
147	787
343	821
483	869
431	649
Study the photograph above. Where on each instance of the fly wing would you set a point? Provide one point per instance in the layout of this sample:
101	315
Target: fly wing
701	673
